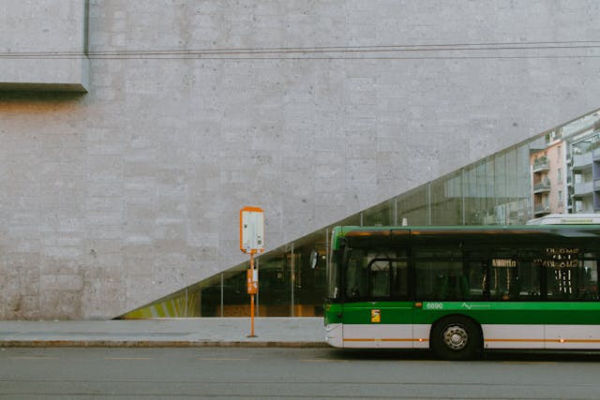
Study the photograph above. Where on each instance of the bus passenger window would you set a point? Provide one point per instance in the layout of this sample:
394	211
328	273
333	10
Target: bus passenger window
529	279
476	281
379	273
588	282
388	278
504	279
440	274
573	279
399	277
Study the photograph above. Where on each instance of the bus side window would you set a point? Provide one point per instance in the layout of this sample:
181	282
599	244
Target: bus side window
475	283
388	278
529	282
376	273
504	276
439	273
575	280
588	286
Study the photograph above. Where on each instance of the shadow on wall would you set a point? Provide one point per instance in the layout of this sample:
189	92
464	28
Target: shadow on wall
39	101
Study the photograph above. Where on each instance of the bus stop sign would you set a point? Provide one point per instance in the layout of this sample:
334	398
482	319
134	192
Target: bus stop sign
252	230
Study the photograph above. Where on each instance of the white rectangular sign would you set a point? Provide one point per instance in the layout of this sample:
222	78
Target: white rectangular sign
252	230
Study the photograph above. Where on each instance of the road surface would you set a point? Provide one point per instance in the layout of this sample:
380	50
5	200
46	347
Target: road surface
80	373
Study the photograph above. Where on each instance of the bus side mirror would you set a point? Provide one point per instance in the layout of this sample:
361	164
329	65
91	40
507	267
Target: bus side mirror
314	259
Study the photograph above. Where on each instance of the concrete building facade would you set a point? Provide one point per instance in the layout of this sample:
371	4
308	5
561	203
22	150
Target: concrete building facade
133	132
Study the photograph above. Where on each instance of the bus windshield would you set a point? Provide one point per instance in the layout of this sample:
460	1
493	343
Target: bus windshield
333	275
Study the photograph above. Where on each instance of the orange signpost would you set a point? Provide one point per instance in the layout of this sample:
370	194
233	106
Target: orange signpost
252	228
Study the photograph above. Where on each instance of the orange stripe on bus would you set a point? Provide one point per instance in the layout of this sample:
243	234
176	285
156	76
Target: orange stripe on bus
515	340
546	340
487	340
385	340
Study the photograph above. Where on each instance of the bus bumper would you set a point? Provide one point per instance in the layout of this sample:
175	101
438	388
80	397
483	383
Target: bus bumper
334	335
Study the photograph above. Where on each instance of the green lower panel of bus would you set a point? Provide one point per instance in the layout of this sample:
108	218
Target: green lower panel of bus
405	312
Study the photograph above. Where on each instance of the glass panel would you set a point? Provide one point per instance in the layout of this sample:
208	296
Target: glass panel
446	201
379	278
236	302
515	275
380	215
334	276
310	280
524	189
275	284
501	196
414	207
353	220
571	275
200	300
206	298
376	273
357	278
588	278
439	274
503	282
529	281
489	205
399	284
478	189
477	273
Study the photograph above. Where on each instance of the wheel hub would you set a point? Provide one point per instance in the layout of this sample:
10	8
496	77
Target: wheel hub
455	337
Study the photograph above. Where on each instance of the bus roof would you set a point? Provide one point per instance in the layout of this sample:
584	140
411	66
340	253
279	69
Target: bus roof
566	219
382	231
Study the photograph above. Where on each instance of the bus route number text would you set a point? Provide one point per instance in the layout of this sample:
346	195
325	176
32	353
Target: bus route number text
434	306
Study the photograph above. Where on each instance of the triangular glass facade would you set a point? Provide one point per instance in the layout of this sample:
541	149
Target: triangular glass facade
556	172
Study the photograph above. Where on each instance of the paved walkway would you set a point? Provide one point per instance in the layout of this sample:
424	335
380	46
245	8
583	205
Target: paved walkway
189	332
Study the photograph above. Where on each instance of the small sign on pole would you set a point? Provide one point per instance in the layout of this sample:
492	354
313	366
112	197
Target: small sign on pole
252	241
252	230
252	281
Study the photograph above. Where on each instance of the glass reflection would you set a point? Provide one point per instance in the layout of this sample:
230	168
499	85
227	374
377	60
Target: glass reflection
413	208
380	215
556	172
447	201
274	277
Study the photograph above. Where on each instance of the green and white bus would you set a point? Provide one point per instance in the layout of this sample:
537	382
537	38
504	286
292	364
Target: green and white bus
460	290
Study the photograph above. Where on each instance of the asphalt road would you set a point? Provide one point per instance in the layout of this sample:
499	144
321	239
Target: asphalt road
80	373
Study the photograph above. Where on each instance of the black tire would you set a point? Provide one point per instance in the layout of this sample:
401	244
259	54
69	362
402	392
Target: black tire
456	338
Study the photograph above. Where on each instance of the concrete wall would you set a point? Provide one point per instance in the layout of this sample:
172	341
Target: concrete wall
113	199
43	45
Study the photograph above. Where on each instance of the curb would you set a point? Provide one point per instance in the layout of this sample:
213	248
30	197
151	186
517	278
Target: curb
153	343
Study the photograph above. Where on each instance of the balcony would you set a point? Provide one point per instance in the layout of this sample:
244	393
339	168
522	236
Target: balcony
542	186
541	209
584	188
582	161
541	165
596	154
596	185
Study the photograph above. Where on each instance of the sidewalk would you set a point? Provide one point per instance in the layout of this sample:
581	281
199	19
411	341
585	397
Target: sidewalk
189	332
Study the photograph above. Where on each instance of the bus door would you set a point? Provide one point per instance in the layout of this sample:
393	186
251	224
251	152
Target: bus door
376	311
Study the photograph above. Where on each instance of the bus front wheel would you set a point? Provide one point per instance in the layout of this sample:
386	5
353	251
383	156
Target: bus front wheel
456	338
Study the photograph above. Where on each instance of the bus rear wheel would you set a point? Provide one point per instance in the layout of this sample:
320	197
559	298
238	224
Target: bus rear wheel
456	338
